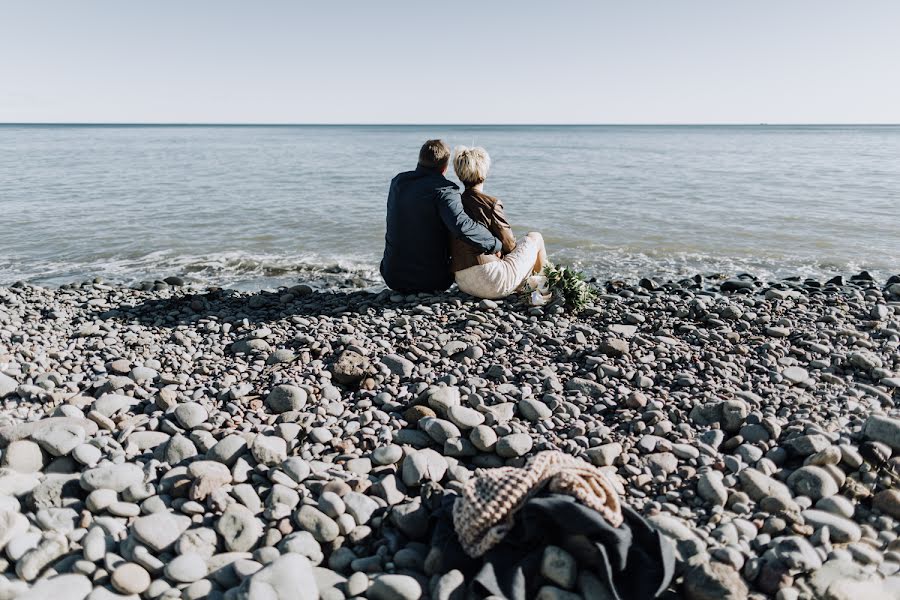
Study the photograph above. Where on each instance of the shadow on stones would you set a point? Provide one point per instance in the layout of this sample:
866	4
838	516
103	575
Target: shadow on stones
260	307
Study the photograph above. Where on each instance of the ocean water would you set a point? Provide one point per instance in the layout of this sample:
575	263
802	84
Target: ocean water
259	206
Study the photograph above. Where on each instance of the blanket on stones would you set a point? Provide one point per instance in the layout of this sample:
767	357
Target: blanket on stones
634	561
488	503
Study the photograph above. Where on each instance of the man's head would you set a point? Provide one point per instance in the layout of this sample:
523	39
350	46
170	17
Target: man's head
471	165
435	154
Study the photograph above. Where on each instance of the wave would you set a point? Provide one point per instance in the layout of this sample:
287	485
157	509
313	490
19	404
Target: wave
253	271
240	270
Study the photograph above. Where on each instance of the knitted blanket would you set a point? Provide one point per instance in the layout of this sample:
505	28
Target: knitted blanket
486	509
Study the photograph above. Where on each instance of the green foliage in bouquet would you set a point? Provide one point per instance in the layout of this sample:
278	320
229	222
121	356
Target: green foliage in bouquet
570	285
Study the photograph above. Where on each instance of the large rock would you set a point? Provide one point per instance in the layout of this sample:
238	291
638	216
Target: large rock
21	431
288	577
350	368
706	414
846	580
320	525
23	456
733	414
883	429
159	531
841	530
269	450
109	405
394	587
130	578
284	398
711	488
806	445
228	450
614	347
209	476
59	439
191	414
441	398
115	477
12	524
759	485
813	482
687	543
604	455
239	528
8	385
714	581
888	502
585	386
514	445
534	410
398	365
61	587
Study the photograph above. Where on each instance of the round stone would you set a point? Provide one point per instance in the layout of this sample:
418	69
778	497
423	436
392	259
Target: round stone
888	502
186	568
269	450
813	482
320	525
284	398
514	445
331	504
23	456
239	528
837	505
60	438
87	454
464	418
394	587
387	455
60	587
534	410
297	468
130	578
191	414
484	438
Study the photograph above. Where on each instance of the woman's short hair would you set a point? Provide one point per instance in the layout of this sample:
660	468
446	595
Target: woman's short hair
471	164
434	154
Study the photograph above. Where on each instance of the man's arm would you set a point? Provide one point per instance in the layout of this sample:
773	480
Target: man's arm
461	226
500	227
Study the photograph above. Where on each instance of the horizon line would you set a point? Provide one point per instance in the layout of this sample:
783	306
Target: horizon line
277	124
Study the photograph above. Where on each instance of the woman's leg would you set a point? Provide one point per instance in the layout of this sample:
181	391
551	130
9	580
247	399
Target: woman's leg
541	261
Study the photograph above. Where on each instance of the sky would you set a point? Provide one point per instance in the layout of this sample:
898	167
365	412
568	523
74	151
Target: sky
464	61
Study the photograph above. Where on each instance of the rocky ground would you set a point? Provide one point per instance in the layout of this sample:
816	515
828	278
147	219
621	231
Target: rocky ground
170	442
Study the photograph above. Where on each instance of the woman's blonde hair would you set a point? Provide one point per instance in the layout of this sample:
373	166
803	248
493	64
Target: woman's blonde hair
471	164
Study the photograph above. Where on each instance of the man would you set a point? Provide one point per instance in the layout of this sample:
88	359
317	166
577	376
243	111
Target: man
422	207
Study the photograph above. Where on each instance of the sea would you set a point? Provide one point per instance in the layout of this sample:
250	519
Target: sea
255	207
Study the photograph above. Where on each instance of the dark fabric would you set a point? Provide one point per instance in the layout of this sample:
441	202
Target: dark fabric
488	211
422	207
635	561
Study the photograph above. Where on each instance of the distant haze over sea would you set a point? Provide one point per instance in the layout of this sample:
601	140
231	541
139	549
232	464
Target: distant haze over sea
259	206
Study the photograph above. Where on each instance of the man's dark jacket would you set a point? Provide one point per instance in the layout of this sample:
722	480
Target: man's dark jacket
422	207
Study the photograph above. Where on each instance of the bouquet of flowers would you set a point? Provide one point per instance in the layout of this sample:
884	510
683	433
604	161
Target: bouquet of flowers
560	283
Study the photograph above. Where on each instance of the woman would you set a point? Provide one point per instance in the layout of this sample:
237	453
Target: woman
488	275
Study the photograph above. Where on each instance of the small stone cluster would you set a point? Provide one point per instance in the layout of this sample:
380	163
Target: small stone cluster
207	444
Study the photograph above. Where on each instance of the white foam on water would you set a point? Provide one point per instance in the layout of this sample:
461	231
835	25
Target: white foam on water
251	271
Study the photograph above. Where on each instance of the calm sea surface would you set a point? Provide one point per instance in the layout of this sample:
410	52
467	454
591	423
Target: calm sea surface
255	206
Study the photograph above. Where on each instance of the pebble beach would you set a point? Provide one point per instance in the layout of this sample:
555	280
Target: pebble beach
167	441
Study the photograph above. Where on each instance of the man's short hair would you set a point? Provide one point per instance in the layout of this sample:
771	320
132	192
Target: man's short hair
434	154
471	164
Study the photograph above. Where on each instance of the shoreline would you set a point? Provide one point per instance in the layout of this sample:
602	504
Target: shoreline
754	423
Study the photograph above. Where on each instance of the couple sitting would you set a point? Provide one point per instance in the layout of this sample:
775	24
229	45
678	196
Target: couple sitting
436	235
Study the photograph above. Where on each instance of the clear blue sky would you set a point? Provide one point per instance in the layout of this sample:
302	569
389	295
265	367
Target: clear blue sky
463	61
